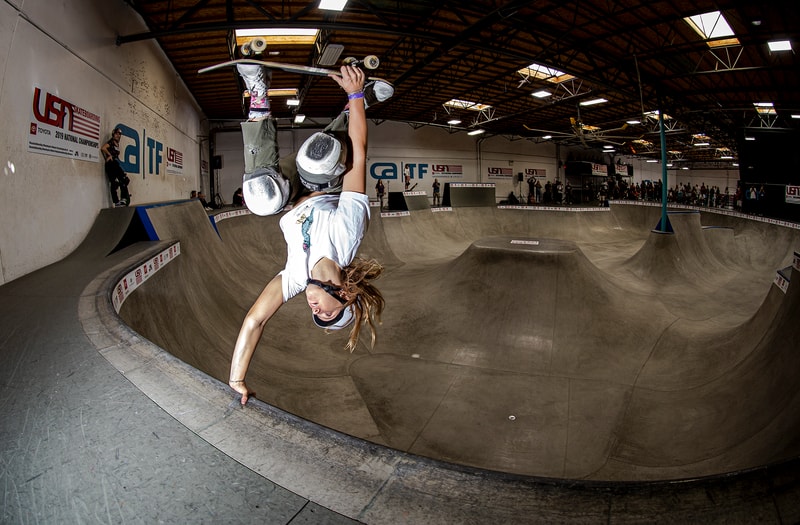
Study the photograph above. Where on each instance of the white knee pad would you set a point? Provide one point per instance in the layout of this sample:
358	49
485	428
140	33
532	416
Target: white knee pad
265	191
321	162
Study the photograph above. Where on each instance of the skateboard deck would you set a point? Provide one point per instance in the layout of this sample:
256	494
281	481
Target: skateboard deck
290	68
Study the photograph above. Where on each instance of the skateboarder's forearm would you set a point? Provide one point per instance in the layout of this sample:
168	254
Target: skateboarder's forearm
356	179
253	326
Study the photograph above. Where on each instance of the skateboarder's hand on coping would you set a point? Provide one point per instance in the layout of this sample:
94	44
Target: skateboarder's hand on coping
241	387
352	79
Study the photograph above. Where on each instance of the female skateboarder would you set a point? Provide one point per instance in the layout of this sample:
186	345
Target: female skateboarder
323	231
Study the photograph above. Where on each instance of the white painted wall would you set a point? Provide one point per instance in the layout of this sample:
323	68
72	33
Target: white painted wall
398	145
68	49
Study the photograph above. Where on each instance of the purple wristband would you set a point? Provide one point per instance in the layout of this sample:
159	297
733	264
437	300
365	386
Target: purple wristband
357	94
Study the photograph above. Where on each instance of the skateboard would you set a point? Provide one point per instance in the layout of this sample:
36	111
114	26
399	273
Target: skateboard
289	68
257	46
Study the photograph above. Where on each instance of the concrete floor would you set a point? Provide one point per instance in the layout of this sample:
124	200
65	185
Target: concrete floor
593	383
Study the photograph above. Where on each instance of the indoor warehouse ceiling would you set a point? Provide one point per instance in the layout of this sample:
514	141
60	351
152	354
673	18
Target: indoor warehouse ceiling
482	61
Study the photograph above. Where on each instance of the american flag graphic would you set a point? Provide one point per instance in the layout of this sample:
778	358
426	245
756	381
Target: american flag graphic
84	122
447	168
175	157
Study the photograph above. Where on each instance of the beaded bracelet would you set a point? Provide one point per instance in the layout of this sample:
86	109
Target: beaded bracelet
357	94
235	381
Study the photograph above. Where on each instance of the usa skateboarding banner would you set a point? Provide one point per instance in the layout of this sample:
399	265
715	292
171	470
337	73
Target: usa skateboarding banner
174	162
793	194
63	129
496	172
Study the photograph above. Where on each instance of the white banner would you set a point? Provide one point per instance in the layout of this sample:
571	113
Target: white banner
793	194
62	129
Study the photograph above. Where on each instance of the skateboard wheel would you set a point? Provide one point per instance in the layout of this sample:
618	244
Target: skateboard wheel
350	61
371	62
245	49
258	45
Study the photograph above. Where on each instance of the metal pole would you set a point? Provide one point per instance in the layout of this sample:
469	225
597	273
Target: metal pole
663	171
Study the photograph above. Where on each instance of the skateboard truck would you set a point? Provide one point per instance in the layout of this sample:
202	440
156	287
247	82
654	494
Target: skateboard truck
255	46
369	62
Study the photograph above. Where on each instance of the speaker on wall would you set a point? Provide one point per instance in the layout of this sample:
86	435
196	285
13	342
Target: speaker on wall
216	162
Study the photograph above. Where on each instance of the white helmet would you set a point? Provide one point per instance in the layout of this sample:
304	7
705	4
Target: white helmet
321	162
265	191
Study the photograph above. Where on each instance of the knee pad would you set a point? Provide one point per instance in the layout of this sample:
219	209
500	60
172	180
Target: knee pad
321	162
265	191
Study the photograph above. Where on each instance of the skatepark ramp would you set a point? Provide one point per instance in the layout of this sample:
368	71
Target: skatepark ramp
551	344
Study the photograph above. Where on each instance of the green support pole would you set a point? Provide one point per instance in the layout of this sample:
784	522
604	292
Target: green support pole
663	225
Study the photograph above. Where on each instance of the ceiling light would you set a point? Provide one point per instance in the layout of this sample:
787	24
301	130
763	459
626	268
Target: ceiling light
685	168
477	132
292	102
454	122
332	5
726	157
608	146
702	144
547	137
750	138
542	94
780	45
795	115
299	118
633	122
593	102
651	161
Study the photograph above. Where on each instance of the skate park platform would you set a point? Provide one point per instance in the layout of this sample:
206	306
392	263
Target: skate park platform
534	365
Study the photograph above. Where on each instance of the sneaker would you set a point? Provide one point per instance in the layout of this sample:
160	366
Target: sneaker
376	91
257	80
119	204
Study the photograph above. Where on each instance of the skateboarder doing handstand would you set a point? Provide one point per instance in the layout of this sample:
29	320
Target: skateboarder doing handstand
323	230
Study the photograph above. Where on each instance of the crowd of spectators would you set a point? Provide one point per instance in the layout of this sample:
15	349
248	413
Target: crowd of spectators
617	188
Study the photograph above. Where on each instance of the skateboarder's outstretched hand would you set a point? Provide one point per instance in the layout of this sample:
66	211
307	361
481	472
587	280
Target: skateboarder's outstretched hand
352	79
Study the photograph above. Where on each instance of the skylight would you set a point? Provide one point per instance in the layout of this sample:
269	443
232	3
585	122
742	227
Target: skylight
780	45
765	108
544	73
465	104
654	115
713	28
278	36
282	92
332	5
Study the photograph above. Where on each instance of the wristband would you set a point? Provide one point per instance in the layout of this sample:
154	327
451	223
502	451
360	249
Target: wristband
357	94
235	381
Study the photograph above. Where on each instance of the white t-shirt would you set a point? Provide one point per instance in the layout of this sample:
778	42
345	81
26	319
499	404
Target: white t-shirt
327	225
